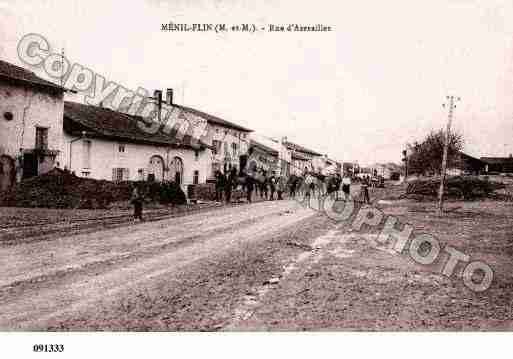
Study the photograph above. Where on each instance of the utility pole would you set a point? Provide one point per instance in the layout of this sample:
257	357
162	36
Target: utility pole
405	160
62	67
452	106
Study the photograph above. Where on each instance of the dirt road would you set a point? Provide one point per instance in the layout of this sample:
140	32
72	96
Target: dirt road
64	282
265	266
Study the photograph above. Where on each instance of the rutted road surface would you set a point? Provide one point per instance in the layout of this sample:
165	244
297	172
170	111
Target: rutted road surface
265	266
99	279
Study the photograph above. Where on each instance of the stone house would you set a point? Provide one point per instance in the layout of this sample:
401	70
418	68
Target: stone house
31	120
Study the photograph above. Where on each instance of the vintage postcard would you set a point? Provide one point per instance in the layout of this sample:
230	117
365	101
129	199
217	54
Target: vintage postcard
241	166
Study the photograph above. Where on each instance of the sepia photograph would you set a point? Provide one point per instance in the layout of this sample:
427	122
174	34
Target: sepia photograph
312	171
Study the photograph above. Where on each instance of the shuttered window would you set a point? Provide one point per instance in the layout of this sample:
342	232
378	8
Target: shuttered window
42	138
120	174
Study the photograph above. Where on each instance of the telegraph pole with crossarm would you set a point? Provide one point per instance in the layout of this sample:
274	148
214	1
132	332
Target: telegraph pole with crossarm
452	106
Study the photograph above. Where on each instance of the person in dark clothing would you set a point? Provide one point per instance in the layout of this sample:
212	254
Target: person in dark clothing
272	186
365	189
281	186
230	184
220	185
264	191
137	201
292	182
249	188
338	183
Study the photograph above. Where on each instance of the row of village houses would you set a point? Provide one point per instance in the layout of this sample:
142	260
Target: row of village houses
39	130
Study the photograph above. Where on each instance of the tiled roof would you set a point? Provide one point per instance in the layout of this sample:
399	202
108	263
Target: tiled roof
296	147
105	122
13	72
213	119
496	160
297	156
264	147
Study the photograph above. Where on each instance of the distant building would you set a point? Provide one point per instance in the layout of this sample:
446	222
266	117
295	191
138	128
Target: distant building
387	170
311	156
466	165
229	141
498	164
31	112
263	157
350	168
299	162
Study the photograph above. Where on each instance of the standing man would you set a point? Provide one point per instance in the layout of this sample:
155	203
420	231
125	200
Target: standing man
365	189
249	187
230	184
272	185
346	186
137	201
338	183
220	184
282	184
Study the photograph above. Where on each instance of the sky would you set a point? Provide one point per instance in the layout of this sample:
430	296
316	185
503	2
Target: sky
357	93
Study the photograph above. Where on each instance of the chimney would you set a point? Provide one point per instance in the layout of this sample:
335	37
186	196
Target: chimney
157	95
169	97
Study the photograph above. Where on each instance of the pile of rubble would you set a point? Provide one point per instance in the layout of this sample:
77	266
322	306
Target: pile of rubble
459	187
61	189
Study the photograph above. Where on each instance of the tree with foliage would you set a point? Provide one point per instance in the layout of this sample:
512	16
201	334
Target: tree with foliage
426	157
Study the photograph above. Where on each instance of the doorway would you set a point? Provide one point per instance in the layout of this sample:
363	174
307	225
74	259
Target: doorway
7	173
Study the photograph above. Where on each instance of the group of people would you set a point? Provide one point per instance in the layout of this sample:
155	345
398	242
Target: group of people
266	185
315	184
269	186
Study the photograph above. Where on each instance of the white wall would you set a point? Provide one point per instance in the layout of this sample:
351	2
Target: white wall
31	108
105	156
226	136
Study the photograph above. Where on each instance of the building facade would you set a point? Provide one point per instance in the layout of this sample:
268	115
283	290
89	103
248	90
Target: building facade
104	144
31	120
498	164
304	157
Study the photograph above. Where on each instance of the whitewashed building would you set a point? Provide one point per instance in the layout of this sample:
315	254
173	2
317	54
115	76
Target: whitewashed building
271	154
31	120
104	144
303	158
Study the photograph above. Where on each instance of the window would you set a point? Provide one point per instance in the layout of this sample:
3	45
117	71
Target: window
8	116
120	174
86	173
42	138
140	174
86	154
196	155
195	178
215	167
234	150
217	146
121	148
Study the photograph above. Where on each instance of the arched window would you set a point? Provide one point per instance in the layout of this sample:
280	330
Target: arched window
176	170
156	168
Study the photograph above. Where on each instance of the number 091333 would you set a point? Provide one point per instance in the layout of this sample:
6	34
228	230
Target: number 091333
48	348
